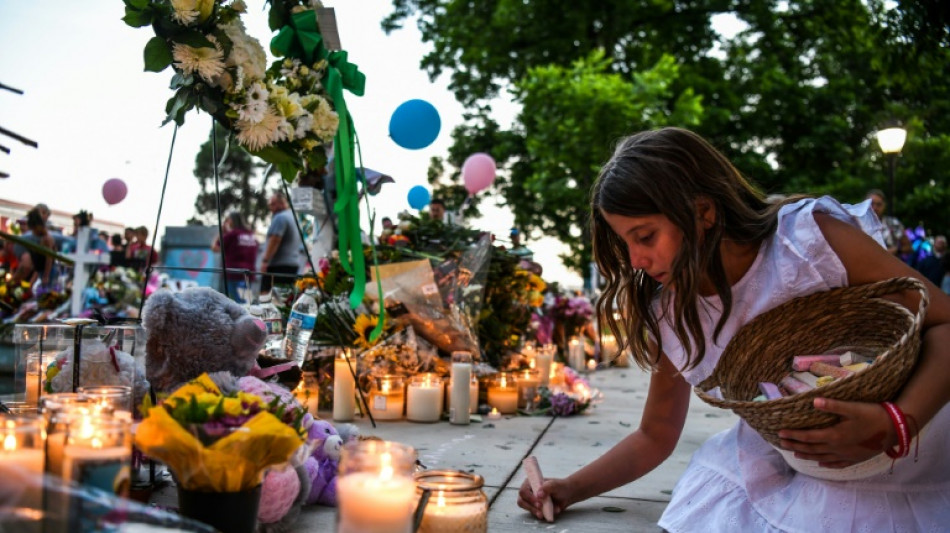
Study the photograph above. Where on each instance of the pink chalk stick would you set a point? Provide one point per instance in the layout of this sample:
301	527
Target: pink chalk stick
801	363
824	369
795	386
770	390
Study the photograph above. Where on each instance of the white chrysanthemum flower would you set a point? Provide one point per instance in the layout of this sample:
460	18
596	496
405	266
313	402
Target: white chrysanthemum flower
257	135
187	12
285	130
246	51
208	62
304	125
325	121
289	67
255	104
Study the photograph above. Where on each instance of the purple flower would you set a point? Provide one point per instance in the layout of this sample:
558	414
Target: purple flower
562	404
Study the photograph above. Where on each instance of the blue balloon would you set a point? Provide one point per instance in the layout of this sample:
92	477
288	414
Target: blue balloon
418	197
415	124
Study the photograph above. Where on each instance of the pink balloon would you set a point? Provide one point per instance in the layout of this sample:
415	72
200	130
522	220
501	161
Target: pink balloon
478	172
114	191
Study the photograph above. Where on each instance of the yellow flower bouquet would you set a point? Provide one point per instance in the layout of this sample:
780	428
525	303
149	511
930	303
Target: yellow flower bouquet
214	442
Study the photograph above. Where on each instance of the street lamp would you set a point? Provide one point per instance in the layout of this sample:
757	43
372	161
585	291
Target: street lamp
891	141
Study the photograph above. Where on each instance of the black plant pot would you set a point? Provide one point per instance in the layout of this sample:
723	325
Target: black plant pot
228	512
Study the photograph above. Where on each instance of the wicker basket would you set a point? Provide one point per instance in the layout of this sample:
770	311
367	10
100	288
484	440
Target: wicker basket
763	349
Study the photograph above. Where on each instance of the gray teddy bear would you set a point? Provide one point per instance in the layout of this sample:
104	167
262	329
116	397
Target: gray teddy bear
194	331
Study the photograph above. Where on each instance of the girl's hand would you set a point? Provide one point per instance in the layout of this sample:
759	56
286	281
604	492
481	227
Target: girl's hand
863	431
558	489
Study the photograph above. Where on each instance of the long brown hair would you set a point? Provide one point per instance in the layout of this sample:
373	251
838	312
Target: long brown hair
665	172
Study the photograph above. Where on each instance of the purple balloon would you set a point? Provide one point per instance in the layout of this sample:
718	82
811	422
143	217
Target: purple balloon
478	172
114	191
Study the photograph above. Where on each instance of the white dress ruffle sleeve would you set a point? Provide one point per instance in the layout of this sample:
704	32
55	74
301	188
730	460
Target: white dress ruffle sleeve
736	481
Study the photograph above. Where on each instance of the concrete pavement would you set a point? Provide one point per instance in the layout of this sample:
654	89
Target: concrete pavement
494	449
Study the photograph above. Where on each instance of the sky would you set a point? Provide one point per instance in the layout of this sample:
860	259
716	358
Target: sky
97	114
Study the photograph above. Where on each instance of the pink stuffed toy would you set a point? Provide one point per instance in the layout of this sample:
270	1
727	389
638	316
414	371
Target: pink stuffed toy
322	463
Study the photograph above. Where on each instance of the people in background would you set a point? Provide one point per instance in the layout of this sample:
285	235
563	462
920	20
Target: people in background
517	247
34	264
239	248
140	254
892	229
282	249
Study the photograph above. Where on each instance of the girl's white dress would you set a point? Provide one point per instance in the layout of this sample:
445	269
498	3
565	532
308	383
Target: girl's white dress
736	481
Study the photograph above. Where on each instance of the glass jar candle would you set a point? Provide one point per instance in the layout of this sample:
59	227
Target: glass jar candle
98	452
424	398
556	377
542	362
503	393
307	393
375	488
528	383
456	502
116	397
387	398
21	448
35	379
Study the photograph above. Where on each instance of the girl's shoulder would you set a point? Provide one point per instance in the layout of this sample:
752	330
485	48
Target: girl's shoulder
797	219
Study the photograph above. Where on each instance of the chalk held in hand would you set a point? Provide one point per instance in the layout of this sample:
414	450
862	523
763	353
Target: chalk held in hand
533	471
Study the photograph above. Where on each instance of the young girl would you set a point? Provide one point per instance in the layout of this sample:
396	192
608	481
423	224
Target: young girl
691	252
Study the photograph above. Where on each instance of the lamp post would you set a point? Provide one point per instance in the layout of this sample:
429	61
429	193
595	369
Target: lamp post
891	141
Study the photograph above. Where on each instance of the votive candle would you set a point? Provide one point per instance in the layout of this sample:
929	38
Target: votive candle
543	360
575	354
388	398
307	393
424	398
98	451
503	393
21	448
375	488
472	395
344	387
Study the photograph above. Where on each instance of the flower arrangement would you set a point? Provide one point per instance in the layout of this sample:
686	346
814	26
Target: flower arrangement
282	114
572	399
571	314
219	442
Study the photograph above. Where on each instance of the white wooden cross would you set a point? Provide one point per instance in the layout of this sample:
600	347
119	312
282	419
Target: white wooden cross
82	258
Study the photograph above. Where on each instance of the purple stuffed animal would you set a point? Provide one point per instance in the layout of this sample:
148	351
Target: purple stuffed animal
322	463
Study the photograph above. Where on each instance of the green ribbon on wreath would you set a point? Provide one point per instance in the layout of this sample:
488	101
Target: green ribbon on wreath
301	39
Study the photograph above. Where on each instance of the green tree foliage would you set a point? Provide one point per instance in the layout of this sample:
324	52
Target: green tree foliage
793	96
239	181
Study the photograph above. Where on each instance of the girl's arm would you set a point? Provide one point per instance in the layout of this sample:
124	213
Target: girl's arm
51	244
637	454
865	429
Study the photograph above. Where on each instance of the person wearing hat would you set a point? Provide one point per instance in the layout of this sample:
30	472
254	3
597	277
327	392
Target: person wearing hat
517	248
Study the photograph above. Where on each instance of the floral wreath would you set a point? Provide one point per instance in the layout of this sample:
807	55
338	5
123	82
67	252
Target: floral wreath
288	114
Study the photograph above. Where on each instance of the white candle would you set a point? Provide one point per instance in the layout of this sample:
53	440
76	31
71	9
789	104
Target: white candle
575	354
33	388
472	396
424	399
503	394
344	388
441	518
460	402
54	453
371	504
608	347
543	363
21	463
387	400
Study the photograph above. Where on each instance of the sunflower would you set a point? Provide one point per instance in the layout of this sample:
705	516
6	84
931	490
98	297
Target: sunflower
307	282
363	327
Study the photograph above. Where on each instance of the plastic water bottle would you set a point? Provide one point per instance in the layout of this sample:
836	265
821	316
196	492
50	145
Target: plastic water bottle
303	317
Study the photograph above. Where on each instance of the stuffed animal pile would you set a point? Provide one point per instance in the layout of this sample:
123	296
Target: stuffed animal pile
200	330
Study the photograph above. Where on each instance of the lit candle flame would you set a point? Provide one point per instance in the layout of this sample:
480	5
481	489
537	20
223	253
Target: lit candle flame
440	501
386	469
9	443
